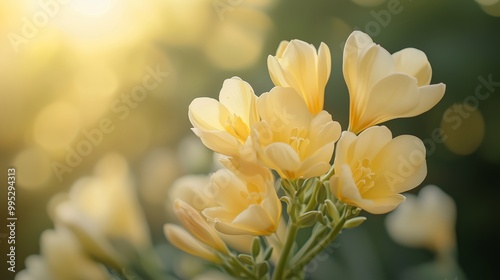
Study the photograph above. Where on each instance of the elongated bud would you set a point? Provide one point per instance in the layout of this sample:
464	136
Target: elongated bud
354	222
197	225
332	211
184	241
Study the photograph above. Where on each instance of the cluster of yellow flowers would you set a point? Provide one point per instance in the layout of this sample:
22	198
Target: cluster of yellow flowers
287	130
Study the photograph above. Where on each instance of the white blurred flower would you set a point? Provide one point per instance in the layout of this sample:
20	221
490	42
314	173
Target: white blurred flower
425	221
491	7
193	189
159	170
368	3
62	257
103	209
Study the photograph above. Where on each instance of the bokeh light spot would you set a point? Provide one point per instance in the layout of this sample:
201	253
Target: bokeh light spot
463	129
33	168
56	125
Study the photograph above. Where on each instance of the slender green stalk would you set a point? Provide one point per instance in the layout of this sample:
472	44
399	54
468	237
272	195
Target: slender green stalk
301	260
309	244
329	174
290	240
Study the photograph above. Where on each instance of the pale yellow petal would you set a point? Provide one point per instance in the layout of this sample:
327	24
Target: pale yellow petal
272	204
391	97
281	48
218	141
227	189
299	59
324	130
356	43
283	107
229	229
219	214
253	220
314	170
324	66
381	205
414	63
276	72
281	157
207	114
345	189
343	186
400	166
342	149
429	96
369	143
239	99
317	163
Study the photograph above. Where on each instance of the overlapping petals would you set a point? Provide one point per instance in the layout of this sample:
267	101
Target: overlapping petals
382	86
224	125
297	64
290	139
372	169
247	205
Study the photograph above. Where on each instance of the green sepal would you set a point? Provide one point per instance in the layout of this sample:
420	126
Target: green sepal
288	187
309	218
256	247
262	269
246	259
268	253
332	211
321	194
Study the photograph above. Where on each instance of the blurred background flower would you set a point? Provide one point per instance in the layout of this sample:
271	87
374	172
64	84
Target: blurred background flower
427	221
82	79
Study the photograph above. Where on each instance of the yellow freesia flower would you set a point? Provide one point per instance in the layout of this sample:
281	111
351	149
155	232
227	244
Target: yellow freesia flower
224	125
248	205
371	169
382	86
290	139
298	65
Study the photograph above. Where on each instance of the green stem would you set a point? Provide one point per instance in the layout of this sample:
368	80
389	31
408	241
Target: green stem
290	240
329	174
309	244
301	260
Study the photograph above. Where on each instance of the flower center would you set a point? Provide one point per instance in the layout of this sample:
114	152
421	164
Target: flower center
299	141
236	127
253	195
363	175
